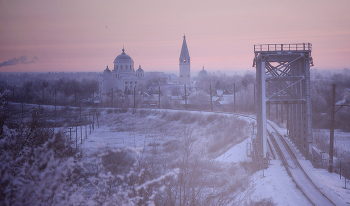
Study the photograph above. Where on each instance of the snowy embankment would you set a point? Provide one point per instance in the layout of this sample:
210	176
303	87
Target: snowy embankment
274	182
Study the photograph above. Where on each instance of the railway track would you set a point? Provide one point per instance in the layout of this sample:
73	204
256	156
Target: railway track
290	161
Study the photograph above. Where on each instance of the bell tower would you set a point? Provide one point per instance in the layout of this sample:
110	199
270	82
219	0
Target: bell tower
184	62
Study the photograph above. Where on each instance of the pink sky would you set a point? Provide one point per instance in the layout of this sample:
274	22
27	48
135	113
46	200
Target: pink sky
87	35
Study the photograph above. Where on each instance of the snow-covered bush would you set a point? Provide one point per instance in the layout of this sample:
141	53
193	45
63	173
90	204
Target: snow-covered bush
4	109
33	174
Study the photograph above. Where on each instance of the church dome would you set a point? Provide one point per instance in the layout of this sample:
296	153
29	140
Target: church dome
123	58
107	71
203	73
139	69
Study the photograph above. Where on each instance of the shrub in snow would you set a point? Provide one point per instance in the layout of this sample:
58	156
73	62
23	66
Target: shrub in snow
33	175
4	109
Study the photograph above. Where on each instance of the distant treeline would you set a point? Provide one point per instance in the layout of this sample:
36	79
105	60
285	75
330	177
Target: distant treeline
69	89
65	89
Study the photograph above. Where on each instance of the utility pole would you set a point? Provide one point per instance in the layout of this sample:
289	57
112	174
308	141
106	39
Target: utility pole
134	98
185	97
85	128
254	99
27	94
234	97
90	123
276	108
331	143
281	112
333	112
159	97
13	94
70	133
287	110
43	94
55	103
75	97
93	120
92	98
112	97
211	99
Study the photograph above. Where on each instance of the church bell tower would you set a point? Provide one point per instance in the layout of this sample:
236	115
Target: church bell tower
185	76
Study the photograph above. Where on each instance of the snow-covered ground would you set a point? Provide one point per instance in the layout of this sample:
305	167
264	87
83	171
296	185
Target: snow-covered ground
273	182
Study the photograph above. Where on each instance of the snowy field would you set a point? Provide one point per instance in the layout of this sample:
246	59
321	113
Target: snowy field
274	182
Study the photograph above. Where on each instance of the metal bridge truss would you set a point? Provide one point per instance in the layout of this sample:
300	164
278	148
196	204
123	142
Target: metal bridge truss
283	81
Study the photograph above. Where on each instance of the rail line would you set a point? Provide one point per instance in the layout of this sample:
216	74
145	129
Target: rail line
311	191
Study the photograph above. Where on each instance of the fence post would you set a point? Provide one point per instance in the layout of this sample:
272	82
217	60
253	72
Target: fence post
76	138
81	134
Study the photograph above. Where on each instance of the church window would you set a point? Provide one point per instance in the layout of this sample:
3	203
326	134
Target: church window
121	67
126	82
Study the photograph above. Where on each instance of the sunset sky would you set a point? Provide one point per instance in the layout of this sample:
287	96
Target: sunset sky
87	35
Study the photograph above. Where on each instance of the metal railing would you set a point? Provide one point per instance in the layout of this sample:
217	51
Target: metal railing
283	47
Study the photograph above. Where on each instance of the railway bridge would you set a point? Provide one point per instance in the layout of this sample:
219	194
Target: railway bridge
283	85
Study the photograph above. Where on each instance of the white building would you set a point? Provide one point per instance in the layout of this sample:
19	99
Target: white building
185	76
123	77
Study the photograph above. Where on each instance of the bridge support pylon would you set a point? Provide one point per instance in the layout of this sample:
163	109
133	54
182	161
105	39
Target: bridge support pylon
283	77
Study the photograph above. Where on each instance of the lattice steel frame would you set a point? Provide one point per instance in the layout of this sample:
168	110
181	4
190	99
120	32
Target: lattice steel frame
283	77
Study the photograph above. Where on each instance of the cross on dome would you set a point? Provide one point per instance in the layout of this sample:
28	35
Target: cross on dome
123	50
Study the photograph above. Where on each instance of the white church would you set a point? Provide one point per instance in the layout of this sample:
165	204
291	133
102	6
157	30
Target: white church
124	78
185	68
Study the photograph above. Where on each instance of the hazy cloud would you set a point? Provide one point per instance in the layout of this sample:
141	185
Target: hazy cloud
20	60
